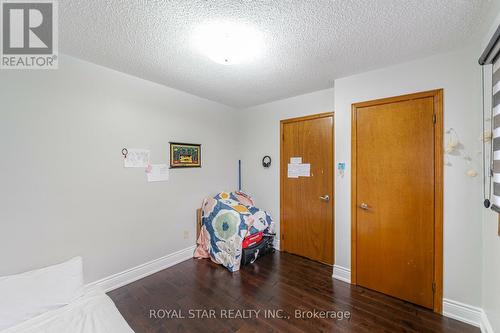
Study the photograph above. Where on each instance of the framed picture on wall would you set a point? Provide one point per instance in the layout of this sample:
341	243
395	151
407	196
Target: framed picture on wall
185	155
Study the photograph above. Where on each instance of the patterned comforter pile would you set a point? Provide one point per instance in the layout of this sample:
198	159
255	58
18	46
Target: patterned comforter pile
227	218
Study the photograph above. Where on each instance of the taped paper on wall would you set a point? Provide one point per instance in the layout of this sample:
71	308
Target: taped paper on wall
136	158
157	173
295	160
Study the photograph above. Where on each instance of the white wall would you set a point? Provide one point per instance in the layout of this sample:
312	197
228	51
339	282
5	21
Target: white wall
63	188
491	240
459	75
259	136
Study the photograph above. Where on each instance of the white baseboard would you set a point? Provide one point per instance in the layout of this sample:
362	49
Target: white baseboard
136	273
341	273
468	314
485	323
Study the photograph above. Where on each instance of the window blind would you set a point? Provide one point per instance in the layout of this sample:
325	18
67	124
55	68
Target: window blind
496	135
491	56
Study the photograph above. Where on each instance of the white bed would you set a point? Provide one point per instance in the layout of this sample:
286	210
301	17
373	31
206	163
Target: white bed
94	312
54	299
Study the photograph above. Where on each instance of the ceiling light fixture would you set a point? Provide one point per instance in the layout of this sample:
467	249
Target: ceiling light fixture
228	43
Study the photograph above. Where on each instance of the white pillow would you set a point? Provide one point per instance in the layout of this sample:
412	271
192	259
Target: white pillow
27	295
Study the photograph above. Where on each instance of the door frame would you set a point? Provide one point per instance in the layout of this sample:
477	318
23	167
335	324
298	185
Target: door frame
438	186
283	173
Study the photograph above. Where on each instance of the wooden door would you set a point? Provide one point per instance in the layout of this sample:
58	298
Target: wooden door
396	184
307	202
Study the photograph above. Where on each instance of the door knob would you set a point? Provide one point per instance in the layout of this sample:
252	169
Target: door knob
325	197
363	206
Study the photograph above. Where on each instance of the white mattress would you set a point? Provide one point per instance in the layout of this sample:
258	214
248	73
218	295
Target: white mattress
94	312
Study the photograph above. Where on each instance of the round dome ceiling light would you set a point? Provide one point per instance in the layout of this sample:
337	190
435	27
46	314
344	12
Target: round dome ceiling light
228	43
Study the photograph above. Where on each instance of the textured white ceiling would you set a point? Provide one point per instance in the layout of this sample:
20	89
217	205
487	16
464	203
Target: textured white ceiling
308	43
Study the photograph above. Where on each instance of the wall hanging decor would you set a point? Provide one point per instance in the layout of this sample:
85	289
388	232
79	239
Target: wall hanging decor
185	155
455	148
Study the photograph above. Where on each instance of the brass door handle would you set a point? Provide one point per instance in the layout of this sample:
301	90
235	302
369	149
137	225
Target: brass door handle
363	206
325	197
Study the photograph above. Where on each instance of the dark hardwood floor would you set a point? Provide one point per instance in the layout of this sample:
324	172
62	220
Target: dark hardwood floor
279	284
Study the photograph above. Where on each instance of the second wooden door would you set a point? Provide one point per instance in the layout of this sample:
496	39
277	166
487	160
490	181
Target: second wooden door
394	195
307	201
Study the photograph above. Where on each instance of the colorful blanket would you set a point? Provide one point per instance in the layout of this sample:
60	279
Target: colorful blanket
227	218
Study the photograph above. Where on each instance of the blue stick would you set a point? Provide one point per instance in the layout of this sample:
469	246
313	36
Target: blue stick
239	175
